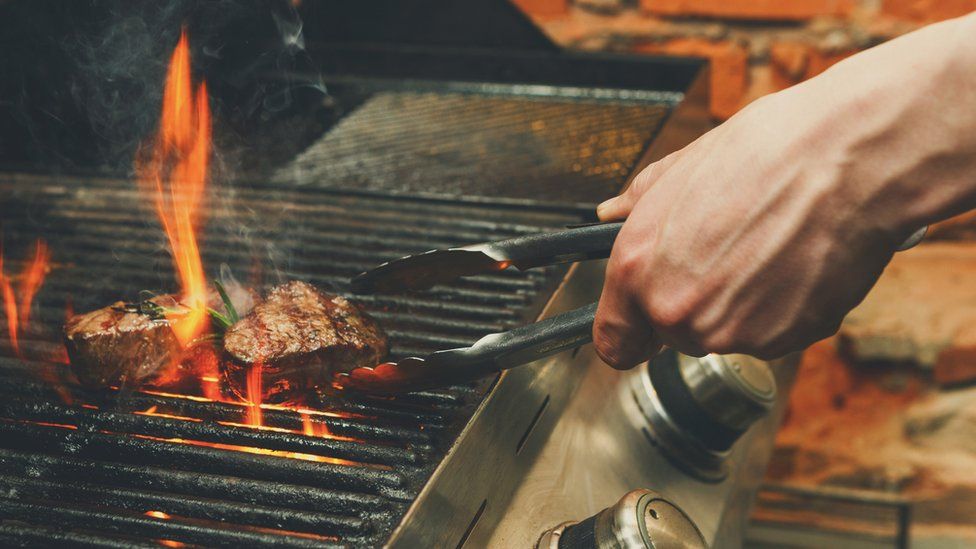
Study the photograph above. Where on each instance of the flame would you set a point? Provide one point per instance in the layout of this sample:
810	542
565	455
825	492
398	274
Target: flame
10	309
266	452
176	175
253	416
31	279
315	428
158	514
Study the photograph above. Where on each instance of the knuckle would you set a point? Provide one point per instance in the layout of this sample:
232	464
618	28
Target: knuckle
673	312
624	271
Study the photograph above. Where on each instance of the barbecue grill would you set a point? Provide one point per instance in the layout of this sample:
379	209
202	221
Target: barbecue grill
436	130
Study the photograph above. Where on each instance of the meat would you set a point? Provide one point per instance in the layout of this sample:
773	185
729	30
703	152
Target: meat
118	343
298	337
133	343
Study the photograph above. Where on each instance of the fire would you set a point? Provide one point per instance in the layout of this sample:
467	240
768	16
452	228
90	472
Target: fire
158	514
314	428
30	281
254	395
32	278
175	174
10	309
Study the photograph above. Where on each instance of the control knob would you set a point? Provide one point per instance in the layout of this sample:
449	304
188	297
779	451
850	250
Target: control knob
641	519
696	408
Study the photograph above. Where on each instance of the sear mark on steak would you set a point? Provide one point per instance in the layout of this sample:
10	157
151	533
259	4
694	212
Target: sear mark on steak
132	343
299	336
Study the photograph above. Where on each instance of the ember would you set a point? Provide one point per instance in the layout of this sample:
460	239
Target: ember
157	514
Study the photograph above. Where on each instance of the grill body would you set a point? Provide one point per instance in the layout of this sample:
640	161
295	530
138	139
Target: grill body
419	149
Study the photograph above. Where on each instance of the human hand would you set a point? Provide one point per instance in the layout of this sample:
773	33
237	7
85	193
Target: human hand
763	234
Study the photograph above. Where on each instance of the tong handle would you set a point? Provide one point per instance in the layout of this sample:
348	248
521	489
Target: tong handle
566	246
534	341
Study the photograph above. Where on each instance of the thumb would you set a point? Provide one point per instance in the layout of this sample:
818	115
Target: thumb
619	207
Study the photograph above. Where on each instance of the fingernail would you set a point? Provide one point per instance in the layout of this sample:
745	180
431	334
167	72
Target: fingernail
604	207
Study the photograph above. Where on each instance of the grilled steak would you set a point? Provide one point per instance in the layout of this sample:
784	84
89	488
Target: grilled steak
299	337
116	344
131	343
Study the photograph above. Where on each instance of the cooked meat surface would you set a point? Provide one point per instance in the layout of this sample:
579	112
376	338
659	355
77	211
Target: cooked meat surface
299	336
116	344
129	343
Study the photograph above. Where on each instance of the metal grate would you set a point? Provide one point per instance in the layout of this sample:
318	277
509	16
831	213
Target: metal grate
455	144
79	468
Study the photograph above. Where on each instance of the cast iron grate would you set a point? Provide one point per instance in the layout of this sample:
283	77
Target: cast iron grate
78	468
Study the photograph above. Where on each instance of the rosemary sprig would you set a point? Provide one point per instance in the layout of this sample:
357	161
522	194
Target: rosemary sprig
228	304
220	319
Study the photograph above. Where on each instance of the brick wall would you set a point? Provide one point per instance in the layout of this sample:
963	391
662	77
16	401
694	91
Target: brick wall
756	46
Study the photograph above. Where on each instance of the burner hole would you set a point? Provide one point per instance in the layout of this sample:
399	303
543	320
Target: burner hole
652	512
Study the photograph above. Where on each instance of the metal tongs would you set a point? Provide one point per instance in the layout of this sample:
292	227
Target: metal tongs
494	352
500	351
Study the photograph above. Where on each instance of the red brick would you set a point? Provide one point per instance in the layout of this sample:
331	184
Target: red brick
543	9
925	11
777	10
729	64
922	310
794	62
956	365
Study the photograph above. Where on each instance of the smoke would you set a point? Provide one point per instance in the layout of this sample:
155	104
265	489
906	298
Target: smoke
119	72
250	52
245	49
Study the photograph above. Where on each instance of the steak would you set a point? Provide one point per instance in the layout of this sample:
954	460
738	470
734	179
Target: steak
299	337
133	343
118	344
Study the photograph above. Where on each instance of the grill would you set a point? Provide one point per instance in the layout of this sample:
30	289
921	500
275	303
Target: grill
96	467
416	148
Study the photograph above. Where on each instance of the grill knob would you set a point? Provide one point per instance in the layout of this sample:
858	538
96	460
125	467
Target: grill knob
732	393
641	519
695	409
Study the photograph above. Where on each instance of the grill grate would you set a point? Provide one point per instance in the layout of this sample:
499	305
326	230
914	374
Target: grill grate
101	471
455	144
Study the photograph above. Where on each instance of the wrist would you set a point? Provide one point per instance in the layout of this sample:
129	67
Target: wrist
902	130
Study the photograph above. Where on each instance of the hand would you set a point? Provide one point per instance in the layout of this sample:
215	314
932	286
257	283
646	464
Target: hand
762	235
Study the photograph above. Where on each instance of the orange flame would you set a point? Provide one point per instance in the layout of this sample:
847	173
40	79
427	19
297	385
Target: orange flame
31	279
176	175
254	395
10	309
157	514
313	428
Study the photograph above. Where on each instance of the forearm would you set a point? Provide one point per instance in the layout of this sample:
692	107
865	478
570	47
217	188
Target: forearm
899	122
761	235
